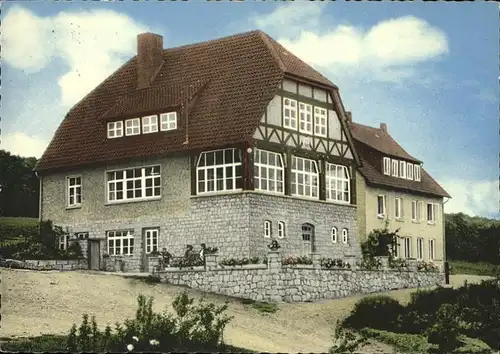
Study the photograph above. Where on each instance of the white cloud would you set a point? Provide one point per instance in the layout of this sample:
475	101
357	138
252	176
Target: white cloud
479	198
92	44
23	145
387	51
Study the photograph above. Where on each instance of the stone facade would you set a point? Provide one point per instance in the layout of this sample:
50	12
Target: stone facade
71	264
232	222
276	283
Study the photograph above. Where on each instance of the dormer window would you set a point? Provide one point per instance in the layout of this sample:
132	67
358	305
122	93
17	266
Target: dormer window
133	126
395	165
417	173
387	166
409	171
402	169
149	124
168	121
115	129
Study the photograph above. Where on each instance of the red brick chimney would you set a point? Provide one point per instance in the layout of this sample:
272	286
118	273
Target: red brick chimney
149	58
383	127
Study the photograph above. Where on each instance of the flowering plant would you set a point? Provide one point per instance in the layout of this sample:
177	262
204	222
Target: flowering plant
426	267
330	263
397	263
297	260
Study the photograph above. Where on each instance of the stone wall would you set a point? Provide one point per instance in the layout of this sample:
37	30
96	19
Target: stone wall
276	282
71	264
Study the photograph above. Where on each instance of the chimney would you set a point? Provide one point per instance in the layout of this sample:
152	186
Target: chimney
383	127
149	57
349	117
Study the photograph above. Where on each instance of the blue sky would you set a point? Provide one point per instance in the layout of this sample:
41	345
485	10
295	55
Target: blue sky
430	71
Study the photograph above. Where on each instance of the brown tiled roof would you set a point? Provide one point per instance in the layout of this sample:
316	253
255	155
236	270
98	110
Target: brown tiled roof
241	75
364	137
379	140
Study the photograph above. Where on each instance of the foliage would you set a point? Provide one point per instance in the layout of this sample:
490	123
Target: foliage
472	239
234	261
398	263
407	343
330	263
423	266
378	311
274	245
480	268
189	262
346	340
265	307
297	260
370	263
42	344
445	330
20	186
380	242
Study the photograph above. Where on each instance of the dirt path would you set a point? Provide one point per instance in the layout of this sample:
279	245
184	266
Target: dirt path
35	303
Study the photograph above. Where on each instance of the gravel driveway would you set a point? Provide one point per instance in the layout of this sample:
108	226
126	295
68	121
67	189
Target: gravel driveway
35	303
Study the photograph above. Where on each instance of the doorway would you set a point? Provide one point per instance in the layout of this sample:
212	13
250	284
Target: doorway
94	254
307	239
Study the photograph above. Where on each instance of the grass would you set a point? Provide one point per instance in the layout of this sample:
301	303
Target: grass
58	343
480	268
18	221
417	343
264	307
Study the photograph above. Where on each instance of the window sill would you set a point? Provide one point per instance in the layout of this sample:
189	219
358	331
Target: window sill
332	201
132	201
216	194
431	223
71	207
380	216
399	219
415	222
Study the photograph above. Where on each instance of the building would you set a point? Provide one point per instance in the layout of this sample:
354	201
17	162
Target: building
393	187
230	142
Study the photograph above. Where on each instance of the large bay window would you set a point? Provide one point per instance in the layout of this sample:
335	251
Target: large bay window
219	171
320	121
305	118
268	171
133	184
120	242
289	113
304	177
337	183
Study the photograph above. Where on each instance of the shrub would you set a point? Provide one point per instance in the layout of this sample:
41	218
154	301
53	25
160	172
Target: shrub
346	341
398	263
190	262
234	261
426	267
265	307
379	311
297	260
370	264
407	343
445	331
330	263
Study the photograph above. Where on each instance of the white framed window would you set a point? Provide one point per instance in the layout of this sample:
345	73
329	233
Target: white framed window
334	234
402	169
407	243
338	183
63	242
219	171
149	124
281	229
432	250
151	238
420	248
133	126
395	168
267	229
168	121
305	118
409	171
290	113
420	211
417	173
414	210
432	212
74	188
398	208
345	236
387	166
82	235
304	177
120	242
320	119
381	206
268	171
133	184
115	129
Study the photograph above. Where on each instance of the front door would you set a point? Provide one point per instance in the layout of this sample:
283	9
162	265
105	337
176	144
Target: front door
94	254
307	239
149	244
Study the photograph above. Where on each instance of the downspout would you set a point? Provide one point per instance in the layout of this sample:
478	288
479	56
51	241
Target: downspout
446	265
186	115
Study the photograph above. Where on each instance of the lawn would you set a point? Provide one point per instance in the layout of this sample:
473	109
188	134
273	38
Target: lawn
18	221
480	268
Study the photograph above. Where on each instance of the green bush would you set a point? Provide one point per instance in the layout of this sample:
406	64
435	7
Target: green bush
379	311
265	307
407	343
445	331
